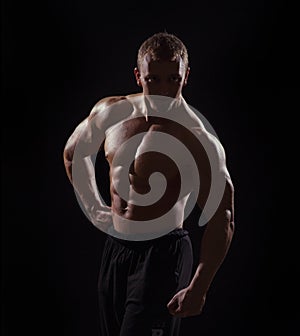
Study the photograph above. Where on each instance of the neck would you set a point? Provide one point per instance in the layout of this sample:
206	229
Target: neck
155	105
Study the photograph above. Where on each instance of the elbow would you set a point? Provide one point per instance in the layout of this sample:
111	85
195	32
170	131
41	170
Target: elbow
68	154
229	221
231	228
67	158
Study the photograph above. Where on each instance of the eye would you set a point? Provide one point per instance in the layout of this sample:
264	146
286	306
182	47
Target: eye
175	78
150	79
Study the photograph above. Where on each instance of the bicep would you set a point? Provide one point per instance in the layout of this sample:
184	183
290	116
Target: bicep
86	134
88	137
105	114
215	185
73	139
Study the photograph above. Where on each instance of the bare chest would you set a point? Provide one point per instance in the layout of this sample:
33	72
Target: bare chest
130	136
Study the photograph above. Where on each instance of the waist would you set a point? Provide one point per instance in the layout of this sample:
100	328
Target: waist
131	229
128	241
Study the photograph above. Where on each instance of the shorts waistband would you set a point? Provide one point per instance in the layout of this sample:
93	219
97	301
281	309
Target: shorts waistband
174	234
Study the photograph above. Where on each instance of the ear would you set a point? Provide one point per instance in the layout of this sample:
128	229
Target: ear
137	76
186	76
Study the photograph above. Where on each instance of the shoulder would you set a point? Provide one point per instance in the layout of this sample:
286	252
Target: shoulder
214	143
211	144
111	109
105	104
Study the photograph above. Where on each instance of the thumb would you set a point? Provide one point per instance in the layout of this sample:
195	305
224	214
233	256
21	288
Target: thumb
173	305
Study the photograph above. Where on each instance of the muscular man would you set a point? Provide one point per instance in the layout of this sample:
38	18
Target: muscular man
146	283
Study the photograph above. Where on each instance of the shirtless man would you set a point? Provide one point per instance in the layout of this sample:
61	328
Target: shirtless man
146	283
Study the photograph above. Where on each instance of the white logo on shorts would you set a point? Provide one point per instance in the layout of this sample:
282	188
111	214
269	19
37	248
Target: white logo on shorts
157	332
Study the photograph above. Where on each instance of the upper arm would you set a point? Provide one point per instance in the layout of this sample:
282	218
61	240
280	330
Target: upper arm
90	133
216	191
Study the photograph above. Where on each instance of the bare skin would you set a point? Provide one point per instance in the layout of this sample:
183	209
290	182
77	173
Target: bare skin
119	120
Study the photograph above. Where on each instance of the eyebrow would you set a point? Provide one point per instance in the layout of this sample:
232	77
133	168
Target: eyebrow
154	74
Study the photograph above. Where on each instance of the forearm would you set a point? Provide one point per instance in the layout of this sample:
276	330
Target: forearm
214	247
70	147
84	183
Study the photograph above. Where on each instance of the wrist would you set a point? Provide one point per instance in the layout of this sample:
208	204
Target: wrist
198	287
201	280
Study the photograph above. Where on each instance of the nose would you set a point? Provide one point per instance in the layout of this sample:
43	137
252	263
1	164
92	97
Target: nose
164	89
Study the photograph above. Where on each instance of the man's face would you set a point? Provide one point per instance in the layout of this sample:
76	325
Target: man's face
163	77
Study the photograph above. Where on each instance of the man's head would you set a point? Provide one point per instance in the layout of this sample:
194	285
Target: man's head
162	65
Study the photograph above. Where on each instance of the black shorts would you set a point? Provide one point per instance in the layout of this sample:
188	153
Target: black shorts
137	279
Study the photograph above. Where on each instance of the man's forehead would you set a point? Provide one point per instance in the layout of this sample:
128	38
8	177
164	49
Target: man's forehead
150	64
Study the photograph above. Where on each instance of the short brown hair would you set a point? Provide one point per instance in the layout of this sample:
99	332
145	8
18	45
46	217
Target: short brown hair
163	45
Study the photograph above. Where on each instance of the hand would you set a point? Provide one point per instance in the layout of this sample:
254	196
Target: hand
101	218
186	303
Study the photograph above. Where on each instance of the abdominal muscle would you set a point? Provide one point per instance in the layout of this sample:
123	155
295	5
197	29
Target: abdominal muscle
163	216
126	222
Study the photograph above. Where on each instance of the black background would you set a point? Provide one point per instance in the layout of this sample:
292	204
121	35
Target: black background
58	59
